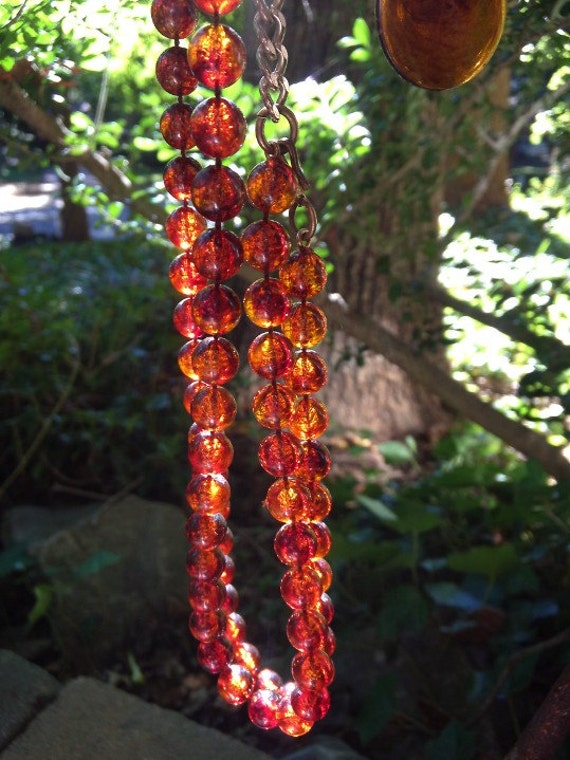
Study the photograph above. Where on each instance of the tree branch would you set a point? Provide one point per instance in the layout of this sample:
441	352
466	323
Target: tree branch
421	370
549	727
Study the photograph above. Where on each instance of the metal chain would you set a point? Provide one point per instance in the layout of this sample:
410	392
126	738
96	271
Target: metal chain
272	57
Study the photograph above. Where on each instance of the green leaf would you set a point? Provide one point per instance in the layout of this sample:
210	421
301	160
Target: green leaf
491	561
454	743
378	708
376	507
361	32
403	609
397	452
451	595
43	593
413	516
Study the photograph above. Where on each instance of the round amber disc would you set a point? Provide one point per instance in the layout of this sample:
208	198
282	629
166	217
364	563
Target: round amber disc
183	227
279	454
184	276
183	319
265	245
217	254
215	360
312	670
308	374
272	186
210	452
295	543
214	408
218	127
438	45
185	359
310	419
208	493
175	126
306	326
236	684
218	193
270	355
179	175
217	56
217	6
315	462
216	309
174	73
287	499
273	406
174	18
304	275
266	303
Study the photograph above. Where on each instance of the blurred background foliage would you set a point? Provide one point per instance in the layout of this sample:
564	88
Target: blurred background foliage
452	213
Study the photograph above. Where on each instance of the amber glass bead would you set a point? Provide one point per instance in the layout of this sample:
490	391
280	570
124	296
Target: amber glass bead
176	128
215	361
229	571
179	175
235	628
185	362
205	531
235	684
323	538
326	608
184	276
301	587
322	567
315	462
231	599
218	193
268	679
266	303
310	418
217	254
209	492
308	373
287	499
304	275
312	670
265	245
174	18
262	708
183	227
439	45
311	705
174	73
330	642
204	566
222	7
272	406
217	56
190	391
279	454
218	127
184	321
213	656
306	326
247	655
214	408
320	501
228	543
270	355
288	720
204	595
306	630
206	626
295	543
210	451
216	309
272	186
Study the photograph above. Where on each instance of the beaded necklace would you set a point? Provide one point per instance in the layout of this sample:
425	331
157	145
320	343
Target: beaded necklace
282	355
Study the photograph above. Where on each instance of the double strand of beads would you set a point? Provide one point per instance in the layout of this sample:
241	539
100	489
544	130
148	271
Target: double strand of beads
210	311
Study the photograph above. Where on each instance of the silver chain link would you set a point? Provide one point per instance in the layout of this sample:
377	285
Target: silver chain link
272	57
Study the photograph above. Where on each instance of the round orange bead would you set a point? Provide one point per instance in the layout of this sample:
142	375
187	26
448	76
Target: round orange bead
204	596
324	570
218	127
295	543
235	684
320	503
301	587
173	72
265	245
315	461
272	406
307	630
279	454
304	275
313	670
272	186
217	254
184	321
263	708
310	418
185	359
183	227
214	408
216	309
306	326
179	175
287	499
206	626
204	566
184	276
270	355
311	705
266	303
215	360
174	18
218	193
217	56
208	492
288	720
210	452
175	126
308	373
213	656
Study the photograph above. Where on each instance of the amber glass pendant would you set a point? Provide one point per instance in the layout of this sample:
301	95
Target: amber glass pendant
440	44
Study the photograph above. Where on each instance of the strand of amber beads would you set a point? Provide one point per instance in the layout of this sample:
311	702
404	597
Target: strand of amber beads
211	309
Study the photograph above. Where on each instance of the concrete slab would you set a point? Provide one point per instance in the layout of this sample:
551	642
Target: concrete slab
93	721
